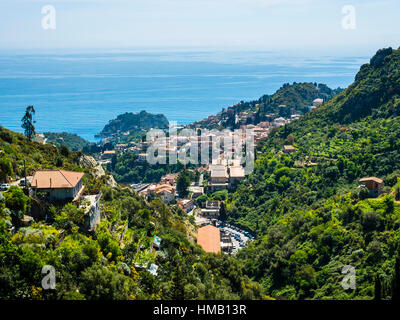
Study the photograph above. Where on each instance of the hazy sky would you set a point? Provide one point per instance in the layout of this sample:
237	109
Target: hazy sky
240	24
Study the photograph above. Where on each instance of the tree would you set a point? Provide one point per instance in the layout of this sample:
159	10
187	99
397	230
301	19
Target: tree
64	150
27	122
69	216
99	283
183	183
378	288
396	280
6	169
16	199
222	212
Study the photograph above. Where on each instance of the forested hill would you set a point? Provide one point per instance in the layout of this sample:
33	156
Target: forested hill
72	141
310	215
297	98
134	122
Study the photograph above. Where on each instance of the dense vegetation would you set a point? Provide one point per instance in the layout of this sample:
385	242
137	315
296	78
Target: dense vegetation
298	97
126	168
310	216
134	122
72	141
17	151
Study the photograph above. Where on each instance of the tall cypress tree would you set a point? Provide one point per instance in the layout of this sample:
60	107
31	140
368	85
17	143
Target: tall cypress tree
27	122
222	212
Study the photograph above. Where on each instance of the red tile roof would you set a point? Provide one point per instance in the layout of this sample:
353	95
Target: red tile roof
375	179
56	179
209	239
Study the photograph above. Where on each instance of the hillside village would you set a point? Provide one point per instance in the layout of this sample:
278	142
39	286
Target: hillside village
223	174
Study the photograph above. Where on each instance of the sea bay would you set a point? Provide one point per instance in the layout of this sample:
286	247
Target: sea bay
80	92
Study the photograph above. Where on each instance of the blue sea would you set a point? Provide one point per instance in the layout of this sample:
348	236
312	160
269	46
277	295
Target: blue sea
80	92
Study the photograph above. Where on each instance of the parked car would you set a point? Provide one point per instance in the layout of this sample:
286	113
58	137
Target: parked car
22	183
4	187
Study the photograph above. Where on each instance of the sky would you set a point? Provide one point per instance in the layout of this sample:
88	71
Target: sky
297	25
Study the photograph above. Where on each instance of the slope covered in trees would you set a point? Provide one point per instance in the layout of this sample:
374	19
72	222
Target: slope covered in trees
310	215
297	98
72	141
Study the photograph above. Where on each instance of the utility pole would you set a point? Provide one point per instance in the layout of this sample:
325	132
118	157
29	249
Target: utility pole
25	174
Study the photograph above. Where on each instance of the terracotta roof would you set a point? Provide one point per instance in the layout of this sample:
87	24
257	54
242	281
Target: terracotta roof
56	179
162	190
209	239
288	147
375	179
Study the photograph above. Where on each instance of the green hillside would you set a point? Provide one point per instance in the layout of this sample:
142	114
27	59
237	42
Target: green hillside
72	141
306	208
297	98
110	262
15	149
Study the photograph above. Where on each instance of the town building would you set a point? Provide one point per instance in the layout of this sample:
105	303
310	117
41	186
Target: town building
218	177
142	157
108	154
169	179
211	209
318	102
165	191
373	184
121	147
58	184
311	108
289	149
226	242
236	175
196	191
278	122
186	205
